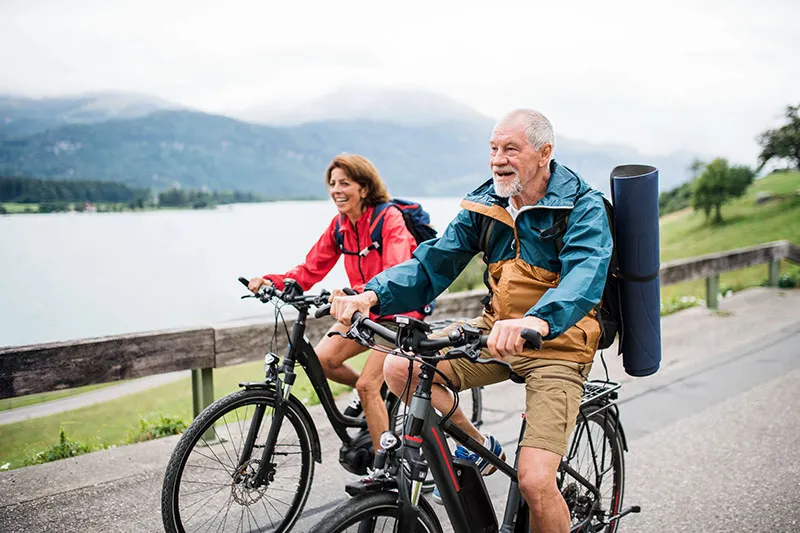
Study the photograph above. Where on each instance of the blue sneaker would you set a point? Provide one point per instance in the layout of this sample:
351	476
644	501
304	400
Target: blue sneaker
484	467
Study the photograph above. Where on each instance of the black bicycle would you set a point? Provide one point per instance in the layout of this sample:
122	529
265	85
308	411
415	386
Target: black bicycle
590	477
247	461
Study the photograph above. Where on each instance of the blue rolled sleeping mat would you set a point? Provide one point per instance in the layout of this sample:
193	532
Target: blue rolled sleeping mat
634	192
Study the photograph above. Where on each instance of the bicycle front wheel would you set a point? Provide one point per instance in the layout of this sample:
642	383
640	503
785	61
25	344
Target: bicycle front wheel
375	512
595	452
205	491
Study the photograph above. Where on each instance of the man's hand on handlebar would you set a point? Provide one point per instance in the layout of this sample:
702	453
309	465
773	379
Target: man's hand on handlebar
343	306
256	283
505	340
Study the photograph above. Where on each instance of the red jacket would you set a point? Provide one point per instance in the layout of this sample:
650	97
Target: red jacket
397	245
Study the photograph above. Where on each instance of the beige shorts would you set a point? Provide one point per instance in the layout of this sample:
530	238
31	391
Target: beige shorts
554	389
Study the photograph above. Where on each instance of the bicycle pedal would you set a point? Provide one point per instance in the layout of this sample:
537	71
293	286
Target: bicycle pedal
626	511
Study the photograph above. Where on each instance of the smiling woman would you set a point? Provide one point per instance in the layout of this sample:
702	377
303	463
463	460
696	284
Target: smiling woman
360	196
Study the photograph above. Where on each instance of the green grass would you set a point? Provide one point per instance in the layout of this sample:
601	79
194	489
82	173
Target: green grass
12	208
745	224
32	399
112	422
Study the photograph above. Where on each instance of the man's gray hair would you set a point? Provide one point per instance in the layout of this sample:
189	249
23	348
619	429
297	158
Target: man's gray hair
538	129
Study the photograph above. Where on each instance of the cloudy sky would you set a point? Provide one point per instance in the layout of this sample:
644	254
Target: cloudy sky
702	75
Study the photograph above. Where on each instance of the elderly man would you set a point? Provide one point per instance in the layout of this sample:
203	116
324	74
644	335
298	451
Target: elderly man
533	284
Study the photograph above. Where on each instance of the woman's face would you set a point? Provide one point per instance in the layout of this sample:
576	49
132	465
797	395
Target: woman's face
346	194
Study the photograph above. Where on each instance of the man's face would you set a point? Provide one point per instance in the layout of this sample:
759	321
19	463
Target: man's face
513	161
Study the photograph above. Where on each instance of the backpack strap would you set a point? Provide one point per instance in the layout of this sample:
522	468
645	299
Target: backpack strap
376	227
484	235
556	232
339	237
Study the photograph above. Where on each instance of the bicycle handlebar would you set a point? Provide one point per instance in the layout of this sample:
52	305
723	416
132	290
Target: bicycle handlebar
291	295
466	341
325	310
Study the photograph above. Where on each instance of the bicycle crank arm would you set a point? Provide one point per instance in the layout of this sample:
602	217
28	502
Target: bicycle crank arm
626	511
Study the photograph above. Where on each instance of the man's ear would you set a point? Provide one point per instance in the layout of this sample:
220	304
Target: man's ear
546	151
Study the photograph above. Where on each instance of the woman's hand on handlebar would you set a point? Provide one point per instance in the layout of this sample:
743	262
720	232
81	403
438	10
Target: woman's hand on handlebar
506	338
256	283
343	307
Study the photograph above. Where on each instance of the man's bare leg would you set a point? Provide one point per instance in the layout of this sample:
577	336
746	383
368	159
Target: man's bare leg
537	483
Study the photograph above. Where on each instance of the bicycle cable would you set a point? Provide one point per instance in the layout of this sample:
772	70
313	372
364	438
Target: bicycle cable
603	360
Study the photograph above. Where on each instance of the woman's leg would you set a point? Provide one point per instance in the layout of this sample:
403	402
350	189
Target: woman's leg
333	352
369	391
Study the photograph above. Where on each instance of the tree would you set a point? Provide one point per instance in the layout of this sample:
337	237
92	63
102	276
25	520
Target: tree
739	180
782	142
695	167
717	184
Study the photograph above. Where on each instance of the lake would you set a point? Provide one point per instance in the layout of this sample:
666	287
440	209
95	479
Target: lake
77	275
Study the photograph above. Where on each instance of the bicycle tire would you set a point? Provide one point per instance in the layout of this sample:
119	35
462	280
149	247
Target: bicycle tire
373	512
200	490
598	431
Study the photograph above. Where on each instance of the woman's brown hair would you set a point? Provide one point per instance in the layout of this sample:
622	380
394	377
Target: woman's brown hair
361	170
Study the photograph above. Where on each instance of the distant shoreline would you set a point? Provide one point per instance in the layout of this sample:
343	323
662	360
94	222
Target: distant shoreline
12	208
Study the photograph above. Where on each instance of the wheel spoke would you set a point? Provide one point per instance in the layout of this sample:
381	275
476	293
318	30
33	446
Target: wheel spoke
211	495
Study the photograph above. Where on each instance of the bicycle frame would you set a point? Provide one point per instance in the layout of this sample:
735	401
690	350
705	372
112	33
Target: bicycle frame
299	351
425	430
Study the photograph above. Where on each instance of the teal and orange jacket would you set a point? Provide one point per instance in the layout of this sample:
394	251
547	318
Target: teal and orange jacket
527	276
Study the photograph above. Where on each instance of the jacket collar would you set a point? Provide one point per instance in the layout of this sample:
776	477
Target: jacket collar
363	223
563	189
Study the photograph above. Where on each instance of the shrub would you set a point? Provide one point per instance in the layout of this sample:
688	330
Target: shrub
65	448
679	303
163	426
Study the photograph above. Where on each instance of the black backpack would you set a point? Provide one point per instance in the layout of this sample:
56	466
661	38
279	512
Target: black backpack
609	312
417	220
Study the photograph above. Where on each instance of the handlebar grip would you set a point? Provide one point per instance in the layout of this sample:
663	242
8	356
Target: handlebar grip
350	292
244	281
533	339
325	310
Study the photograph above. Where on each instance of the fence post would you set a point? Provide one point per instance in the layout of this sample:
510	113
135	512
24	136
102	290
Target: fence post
202	389
774	273
712	292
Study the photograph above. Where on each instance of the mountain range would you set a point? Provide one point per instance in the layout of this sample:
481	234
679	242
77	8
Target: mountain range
424	144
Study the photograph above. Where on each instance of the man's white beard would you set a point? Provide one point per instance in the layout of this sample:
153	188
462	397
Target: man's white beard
507	190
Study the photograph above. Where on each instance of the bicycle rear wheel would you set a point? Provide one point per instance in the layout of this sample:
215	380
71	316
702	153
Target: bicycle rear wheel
375	512
595	452
203	489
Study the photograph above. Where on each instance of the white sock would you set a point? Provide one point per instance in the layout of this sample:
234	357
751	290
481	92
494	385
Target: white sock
486	442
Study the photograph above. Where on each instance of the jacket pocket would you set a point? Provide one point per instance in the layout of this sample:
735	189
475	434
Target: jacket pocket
590	328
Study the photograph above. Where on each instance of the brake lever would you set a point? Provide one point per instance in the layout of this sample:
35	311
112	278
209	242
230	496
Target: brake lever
474	356
354	334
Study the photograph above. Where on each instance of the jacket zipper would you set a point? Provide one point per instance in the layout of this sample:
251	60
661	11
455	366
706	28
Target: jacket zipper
358	245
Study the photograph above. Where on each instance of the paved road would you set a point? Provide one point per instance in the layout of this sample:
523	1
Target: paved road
713	440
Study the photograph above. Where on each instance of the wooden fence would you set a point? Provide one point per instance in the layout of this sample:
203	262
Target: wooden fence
62	365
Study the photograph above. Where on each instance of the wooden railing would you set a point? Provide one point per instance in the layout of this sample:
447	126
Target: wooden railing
62	365
712	265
